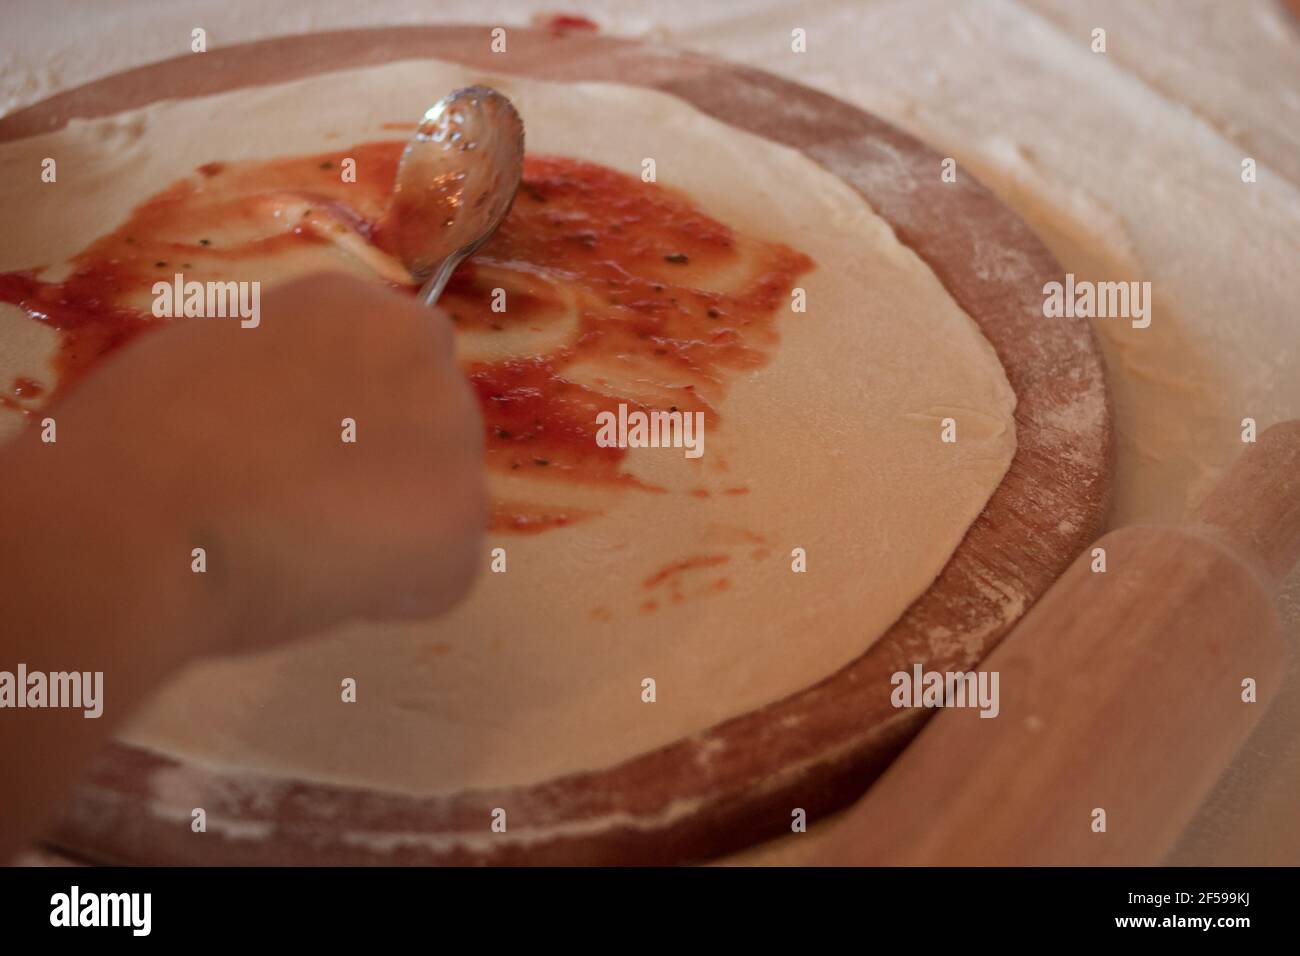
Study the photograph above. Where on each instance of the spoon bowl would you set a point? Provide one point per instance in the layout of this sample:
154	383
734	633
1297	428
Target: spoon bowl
455	183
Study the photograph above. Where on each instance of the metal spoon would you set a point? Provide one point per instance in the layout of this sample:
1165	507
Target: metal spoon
455	183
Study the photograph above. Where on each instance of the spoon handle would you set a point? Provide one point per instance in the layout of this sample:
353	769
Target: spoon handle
432	289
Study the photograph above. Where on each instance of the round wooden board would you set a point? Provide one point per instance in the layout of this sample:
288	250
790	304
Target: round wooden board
817	749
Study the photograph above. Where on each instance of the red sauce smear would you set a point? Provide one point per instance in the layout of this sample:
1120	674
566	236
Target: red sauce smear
22	390
524	518
27	388
561	23
686	564
632	260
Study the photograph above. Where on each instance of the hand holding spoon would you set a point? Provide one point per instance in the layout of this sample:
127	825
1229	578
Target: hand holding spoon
455	183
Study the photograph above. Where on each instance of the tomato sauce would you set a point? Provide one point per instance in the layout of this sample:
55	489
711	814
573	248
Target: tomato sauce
631	266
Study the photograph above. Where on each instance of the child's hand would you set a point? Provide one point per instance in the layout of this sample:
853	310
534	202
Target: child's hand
236	437
208	435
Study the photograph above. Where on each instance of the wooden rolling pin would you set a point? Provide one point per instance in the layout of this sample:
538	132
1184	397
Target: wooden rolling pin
1120	691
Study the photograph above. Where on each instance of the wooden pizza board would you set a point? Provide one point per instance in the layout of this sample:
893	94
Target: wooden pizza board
736	783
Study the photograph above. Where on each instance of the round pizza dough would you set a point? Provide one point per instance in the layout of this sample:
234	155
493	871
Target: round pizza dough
540	672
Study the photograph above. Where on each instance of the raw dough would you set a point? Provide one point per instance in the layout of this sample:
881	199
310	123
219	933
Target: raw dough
540	672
